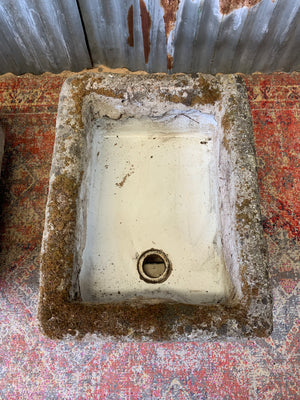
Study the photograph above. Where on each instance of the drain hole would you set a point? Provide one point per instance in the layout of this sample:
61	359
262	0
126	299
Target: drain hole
154	266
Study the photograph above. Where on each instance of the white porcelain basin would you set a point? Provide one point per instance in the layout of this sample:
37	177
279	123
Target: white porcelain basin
152	184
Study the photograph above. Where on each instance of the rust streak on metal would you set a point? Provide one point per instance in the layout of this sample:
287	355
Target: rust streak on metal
146	25
169	61
170	9
227	6
130	39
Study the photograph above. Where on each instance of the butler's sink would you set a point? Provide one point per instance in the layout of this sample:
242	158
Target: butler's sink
152	225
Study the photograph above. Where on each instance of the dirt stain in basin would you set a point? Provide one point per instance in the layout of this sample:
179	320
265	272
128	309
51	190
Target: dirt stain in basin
121	184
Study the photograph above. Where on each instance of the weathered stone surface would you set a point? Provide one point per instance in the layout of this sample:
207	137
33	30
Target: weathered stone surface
89	97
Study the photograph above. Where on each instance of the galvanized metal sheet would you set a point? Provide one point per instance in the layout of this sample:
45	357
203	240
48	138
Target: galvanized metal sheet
41	35
135	34
156	36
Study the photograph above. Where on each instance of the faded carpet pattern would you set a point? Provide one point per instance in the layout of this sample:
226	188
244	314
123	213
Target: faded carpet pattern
34	367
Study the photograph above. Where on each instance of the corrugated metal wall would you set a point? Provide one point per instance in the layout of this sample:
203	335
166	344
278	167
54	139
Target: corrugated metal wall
41	35
152	35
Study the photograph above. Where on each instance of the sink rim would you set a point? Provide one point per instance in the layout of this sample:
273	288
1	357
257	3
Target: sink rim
88	96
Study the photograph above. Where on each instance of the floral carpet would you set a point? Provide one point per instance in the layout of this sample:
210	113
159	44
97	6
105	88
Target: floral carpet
35	367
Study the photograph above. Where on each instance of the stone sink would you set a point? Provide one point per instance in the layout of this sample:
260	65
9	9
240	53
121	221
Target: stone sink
153	227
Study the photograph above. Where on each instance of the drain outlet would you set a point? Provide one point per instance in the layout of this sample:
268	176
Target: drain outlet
154	266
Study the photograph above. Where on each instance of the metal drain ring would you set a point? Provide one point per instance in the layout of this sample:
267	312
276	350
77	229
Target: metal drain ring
154	266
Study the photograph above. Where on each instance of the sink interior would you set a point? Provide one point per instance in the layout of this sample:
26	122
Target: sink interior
152	184
153	227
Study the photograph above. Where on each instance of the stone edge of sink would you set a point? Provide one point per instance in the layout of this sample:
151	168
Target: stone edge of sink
226	97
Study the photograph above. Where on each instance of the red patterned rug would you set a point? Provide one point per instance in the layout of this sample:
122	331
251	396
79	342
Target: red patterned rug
34	367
